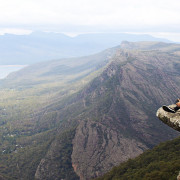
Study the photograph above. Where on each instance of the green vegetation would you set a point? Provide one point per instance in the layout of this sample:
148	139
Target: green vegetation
40	103
31	102
160	163
58	163
21	157
64	159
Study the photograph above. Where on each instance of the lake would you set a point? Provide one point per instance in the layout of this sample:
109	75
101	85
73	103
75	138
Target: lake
7	69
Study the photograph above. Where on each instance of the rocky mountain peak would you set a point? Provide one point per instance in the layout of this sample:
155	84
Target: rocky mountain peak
127	45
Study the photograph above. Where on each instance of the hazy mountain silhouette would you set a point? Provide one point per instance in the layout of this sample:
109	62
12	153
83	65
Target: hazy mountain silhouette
41	46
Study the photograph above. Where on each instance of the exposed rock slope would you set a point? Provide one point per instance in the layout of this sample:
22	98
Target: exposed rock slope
103	124
116	120
97	147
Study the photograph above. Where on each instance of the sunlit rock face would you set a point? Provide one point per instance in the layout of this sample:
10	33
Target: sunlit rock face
171	119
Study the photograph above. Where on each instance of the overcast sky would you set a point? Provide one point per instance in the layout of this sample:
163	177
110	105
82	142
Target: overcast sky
161	17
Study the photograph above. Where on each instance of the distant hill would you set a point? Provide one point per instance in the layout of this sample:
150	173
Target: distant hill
77	118
162	162
42	46
63	71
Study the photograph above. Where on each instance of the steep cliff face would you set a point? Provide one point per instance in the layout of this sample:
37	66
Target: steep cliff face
116	117
96	148
123	101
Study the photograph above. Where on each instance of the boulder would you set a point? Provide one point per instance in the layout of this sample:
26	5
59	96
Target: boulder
171	119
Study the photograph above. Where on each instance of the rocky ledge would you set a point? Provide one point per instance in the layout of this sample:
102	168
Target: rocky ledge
171	119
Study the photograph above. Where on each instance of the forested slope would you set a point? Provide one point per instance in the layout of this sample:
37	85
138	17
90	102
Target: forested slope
103	106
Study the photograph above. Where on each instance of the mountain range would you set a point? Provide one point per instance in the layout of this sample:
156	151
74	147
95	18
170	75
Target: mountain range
40	46
77	118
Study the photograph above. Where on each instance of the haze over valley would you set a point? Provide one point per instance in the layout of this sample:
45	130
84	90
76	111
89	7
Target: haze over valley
42	46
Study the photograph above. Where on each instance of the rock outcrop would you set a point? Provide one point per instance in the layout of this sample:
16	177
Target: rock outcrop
171	119
97	148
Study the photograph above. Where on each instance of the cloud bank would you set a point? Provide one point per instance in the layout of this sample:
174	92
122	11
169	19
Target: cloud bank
105	13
